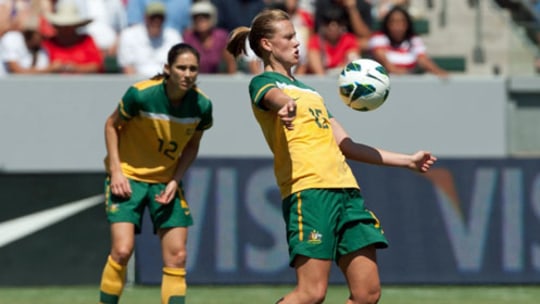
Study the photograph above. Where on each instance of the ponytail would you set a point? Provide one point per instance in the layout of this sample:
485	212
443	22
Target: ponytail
237	41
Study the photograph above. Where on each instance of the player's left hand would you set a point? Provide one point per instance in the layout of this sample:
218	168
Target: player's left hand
422	161
167	195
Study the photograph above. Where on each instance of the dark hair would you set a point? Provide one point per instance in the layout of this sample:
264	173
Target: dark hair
333	13
409	33
262	26
175	51
277	4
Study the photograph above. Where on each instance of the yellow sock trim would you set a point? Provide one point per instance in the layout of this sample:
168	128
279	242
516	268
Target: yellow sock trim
113	278
173	284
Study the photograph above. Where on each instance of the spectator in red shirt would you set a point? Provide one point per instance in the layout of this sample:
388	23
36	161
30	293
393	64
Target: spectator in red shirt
333	46
71	51
357	16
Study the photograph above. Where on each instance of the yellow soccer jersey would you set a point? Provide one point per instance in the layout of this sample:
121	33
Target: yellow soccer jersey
308	156
156	132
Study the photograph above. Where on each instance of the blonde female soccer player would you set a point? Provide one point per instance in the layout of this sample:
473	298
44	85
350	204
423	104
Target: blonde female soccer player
322	205
152	138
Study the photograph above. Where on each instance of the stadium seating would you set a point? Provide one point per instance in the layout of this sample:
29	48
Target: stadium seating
451	63
421	26
110	65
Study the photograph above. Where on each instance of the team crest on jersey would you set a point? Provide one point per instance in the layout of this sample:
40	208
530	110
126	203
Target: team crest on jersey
315	237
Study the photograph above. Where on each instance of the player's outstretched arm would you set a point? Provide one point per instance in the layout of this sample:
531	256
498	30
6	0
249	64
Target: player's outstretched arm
420	161
277	101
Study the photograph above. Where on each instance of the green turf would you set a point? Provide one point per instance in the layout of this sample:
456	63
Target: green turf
269	294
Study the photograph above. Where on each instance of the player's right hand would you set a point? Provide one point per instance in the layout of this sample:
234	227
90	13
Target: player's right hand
287	114
120	185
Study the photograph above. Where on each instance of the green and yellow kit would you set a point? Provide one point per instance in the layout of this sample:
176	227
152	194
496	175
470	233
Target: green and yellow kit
150	145
157	132
322	205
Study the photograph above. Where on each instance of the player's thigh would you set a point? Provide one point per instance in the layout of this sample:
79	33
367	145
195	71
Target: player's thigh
312	274
361	272
174	214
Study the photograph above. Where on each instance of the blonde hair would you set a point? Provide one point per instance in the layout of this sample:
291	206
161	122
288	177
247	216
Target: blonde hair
262	26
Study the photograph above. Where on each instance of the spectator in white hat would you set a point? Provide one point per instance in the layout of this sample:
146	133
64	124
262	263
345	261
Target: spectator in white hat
70	50
143	47
177	12
108	19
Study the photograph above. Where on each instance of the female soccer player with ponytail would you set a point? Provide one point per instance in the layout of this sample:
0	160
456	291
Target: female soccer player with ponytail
323	209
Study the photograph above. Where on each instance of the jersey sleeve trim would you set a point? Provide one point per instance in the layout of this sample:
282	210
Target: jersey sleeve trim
123	114
260	94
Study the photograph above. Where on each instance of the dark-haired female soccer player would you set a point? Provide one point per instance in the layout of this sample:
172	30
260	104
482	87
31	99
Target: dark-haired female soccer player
152	138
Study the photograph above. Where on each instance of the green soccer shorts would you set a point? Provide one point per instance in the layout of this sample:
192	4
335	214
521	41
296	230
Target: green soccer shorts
131	210
329	223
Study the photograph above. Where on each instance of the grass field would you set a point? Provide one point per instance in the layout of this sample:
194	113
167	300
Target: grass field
269	294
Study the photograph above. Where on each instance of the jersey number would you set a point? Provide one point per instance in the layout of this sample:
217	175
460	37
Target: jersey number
168	149
321	121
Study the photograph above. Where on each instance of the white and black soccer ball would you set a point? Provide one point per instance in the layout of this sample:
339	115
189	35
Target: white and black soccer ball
364	84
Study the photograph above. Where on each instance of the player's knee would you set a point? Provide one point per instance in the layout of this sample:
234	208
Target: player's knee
316	295
370	296
373	297
181	255
121	254
176	258
317	298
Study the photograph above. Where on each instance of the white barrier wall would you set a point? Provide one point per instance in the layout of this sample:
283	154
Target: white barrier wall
55	123
524	116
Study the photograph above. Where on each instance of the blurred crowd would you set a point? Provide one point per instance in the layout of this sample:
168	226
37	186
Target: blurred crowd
536	9
526	14
133	36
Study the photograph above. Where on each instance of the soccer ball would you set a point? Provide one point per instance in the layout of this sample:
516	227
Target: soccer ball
364	84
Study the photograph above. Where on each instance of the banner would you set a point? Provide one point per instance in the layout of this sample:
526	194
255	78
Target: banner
466	222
